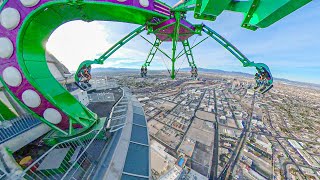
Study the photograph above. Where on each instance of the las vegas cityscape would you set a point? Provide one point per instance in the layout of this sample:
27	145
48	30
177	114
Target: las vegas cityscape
218	126
159	90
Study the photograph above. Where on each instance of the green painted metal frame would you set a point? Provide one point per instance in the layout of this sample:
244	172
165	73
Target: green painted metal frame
152	52
175	38
3	4
260	67
188	53
257	13
110	51
5	112
248	16
235	52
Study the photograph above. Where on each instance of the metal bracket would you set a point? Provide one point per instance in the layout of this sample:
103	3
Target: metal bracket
249	15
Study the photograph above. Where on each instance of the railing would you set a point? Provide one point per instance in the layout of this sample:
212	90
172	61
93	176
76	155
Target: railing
14	127
69	159
118	114
105	84
3	174
65	160
101	97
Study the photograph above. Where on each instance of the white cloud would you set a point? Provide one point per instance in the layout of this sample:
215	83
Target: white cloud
77	41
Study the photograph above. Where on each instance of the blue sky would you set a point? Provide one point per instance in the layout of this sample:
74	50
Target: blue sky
290	47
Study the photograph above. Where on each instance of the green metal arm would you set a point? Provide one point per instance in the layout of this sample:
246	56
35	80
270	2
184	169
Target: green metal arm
257	13
110	51
5	112
233	50
152	52
175	39
188	52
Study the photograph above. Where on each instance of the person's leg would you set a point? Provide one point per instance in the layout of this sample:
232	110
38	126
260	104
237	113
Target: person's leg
257	84
263	85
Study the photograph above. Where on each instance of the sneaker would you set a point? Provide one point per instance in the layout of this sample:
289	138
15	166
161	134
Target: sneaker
262	89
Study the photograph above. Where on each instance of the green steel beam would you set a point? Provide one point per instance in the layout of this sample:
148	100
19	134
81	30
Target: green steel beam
210	9
110	51
2	4
266	12
175	39
152	52
257	13
119	44
233	50
188	53
248	16
5	112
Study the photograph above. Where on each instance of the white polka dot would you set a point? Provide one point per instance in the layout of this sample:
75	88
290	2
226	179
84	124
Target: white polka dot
121	0
29	3
6	49
52	115
31	98
144	3
12	76
10	18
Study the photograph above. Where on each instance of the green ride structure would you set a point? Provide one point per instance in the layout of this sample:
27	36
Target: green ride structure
26	26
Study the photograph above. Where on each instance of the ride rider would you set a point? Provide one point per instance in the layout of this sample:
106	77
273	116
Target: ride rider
87	74
194	72
141	71
265	80
145	71
258	79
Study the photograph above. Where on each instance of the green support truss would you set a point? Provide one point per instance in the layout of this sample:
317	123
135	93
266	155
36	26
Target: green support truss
110	51
188	53
177	16
152	52
260	67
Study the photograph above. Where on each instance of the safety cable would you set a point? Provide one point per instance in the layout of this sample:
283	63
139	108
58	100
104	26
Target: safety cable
162	58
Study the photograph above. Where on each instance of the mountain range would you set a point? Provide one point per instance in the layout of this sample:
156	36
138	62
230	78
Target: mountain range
216	71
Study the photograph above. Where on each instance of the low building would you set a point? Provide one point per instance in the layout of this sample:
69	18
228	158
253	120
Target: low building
172	174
